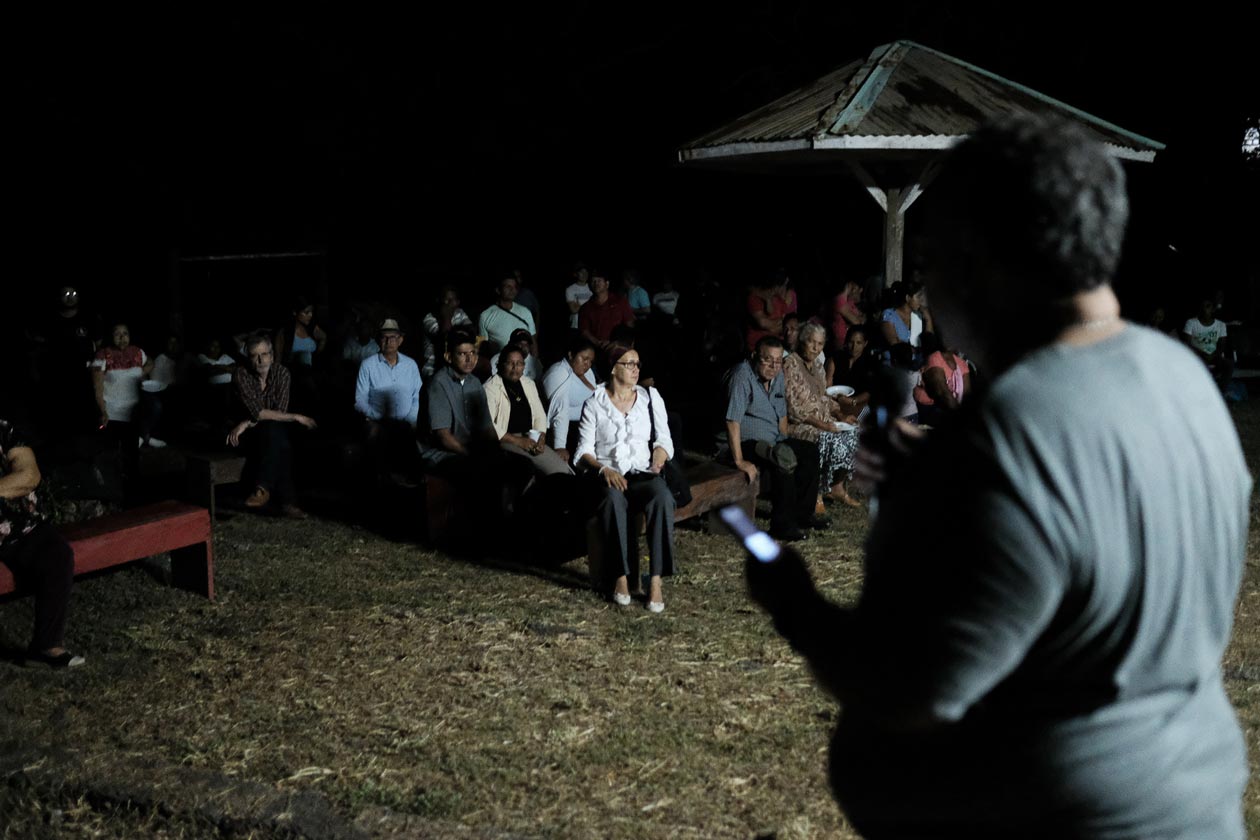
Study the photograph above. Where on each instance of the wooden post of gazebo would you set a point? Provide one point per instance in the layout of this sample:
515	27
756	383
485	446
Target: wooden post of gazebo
894	201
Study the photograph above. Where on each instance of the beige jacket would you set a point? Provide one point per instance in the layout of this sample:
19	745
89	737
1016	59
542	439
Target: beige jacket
501	409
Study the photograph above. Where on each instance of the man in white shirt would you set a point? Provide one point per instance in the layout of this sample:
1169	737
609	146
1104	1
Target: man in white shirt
1208	337
499	320
578	292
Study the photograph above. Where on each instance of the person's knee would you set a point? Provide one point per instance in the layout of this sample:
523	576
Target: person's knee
612	499
661	498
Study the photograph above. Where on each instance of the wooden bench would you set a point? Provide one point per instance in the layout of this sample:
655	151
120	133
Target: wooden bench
206	471
715	485
183	530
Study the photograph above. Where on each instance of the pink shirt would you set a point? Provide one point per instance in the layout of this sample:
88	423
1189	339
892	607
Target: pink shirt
953	378
775	309
840	324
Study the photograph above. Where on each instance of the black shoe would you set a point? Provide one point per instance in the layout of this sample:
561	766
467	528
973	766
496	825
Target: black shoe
819	523
65	659
789	534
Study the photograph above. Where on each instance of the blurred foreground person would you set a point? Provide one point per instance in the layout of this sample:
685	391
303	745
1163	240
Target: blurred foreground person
1040	657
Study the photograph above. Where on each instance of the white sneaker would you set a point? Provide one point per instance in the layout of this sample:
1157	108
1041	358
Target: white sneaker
621	600
156	444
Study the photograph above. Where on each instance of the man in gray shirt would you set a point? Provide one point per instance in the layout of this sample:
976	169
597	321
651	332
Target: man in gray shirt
458	443
1051	578
456	417
756	431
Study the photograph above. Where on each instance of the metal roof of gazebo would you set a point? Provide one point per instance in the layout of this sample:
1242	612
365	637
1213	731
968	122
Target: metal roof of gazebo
889	119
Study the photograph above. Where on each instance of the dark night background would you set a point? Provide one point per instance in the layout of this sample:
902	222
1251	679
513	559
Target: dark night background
419	147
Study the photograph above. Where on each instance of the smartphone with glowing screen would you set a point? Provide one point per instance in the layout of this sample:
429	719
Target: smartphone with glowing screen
756	542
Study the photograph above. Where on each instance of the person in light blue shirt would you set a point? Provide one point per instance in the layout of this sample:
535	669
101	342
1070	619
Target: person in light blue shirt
387	394
636	295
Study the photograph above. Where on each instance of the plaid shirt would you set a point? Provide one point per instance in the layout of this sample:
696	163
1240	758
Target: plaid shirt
252	395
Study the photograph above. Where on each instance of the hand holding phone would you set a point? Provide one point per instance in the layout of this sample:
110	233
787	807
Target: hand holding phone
756	542
777	577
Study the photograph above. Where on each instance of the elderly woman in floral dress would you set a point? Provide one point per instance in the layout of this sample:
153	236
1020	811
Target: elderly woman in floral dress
812	415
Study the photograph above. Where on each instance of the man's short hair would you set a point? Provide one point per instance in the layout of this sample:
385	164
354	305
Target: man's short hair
767	342
255	339
1048	200
456	337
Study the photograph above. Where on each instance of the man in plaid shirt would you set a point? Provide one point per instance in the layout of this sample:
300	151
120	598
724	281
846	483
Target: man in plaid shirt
262	387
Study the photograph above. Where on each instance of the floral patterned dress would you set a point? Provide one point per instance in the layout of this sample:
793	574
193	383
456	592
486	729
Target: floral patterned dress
18	517
807	400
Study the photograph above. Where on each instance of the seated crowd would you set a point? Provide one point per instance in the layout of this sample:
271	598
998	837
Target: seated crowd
588	435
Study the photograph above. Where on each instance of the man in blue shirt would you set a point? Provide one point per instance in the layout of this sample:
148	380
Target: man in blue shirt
387	394
756	429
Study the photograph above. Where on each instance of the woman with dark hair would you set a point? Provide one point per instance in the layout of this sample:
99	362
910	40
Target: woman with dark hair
854	367
300	342
518	416
946	380
624	442
297	346
815	417
567	385
767	304
117	372
846	312
906	318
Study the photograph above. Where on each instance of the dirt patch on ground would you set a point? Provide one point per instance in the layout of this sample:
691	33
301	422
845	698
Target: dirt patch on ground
347	685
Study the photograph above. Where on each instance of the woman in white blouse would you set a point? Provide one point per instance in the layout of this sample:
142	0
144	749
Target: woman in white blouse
623	439
567	385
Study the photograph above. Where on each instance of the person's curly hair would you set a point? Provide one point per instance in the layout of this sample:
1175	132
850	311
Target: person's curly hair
1049	200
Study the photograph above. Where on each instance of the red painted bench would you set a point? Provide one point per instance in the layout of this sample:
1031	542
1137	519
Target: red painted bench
183	530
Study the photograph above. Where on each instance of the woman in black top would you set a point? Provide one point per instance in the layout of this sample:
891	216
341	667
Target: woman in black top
851	365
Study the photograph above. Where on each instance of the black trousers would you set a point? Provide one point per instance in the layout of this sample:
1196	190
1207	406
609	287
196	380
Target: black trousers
124	436
391	447
793	492
646	493
270	459
489	483
42	563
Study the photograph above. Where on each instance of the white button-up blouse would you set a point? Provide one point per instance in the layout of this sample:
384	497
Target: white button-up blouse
621	440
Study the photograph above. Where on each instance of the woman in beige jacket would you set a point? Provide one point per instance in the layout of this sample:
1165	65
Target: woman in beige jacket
518	416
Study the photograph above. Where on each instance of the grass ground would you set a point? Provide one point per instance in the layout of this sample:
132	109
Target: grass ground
348	685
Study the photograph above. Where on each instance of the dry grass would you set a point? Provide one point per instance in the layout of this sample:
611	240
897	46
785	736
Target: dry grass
347	685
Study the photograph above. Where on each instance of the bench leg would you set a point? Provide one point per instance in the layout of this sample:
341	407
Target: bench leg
192	568
201	485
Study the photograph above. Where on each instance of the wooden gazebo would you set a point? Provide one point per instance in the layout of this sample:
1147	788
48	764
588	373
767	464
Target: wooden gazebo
888	120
